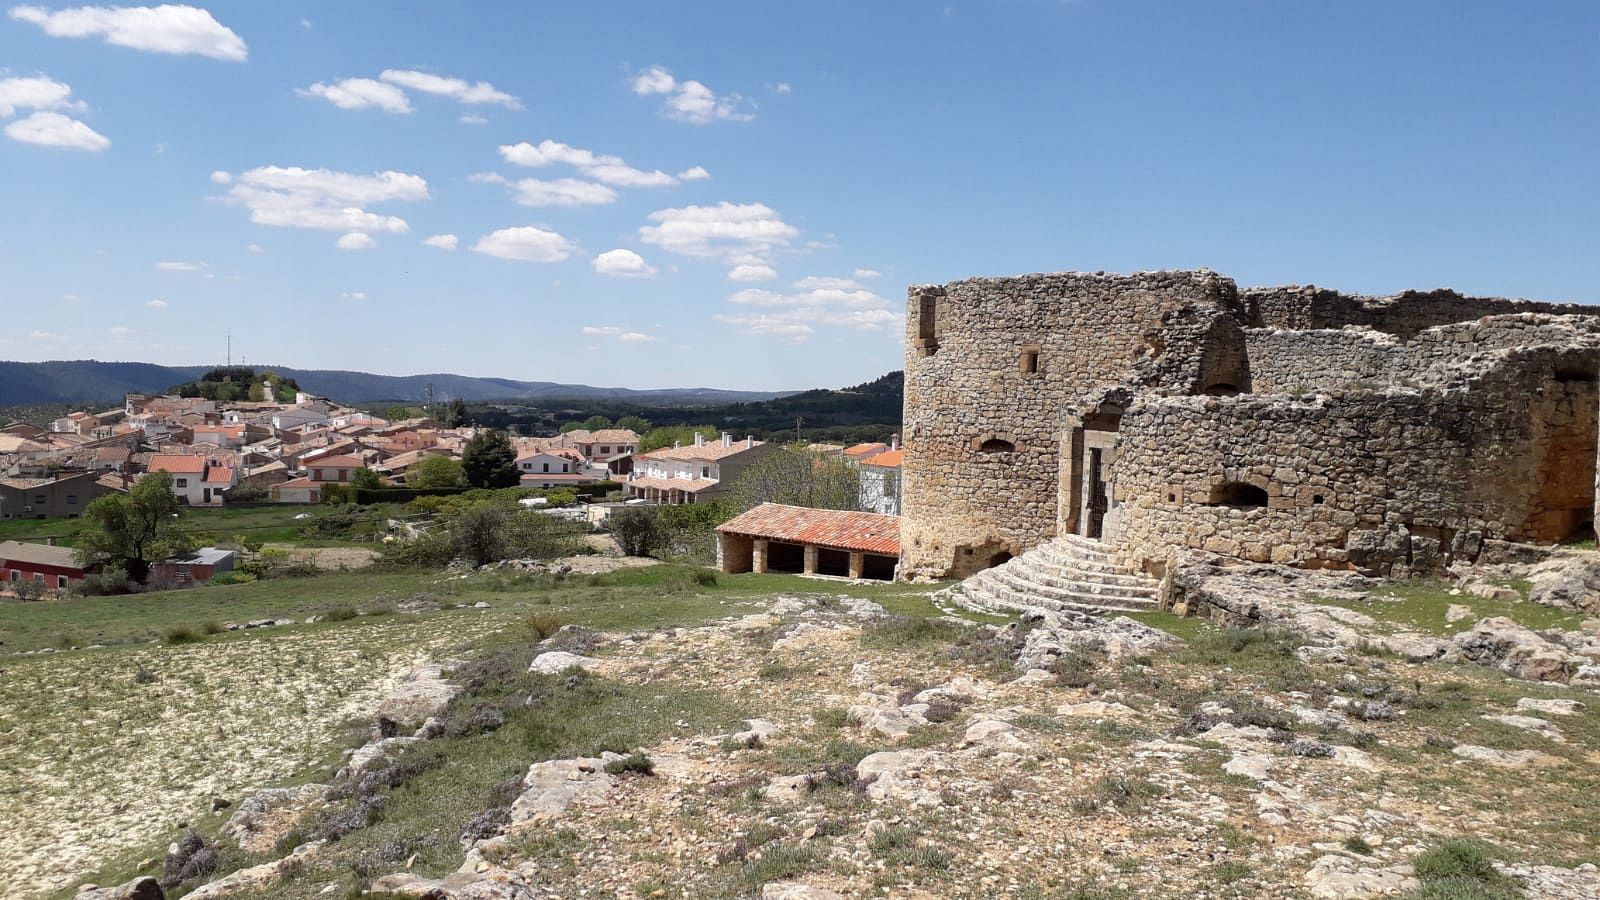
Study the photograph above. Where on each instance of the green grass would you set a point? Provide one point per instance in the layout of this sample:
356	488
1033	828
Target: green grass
1420	605
274	524
1462	869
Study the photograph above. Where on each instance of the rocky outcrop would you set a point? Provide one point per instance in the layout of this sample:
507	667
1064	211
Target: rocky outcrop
265	816
555	662
1054	633
145	888
1518	651
1567	581
424	693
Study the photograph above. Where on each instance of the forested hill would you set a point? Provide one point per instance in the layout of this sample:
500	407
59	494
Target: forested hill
92	381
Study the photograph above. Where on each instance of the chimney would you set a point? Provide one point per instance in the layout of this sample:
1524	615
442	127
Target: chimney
749	441
677	444
727	439
699	439
894	442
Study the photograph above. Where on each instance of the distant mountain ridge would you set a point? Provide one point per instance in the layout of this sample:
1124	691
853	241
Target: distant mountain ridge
88	380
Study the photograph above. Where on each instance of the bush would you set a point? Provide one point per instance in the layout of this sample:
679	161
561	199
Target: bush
104	583
1462	868
541	625
634	763
340	614
182	634
637	529
233	578
27	591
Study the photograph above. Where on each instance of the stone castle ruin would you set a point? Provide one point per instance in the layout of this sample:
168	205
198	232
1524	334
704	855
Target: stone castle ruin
1120	423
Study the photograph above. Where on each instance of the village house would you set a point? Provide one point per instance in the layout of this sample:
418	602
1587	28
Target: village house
64	497
196	480
677	475
296	490
193	569
880	482
53	568
553	468
777	538
332	469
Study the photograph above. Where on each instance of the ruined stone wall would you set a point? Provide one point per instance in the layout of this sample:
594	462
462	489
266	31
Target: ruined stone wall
1403	314
966	387
1387	482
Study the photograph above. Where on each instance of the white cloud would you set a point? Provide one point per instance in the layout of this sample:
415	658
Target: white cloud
46	336
527	243
815	302
752	272
220	177
690	101
622	334
359	93
357	296
698	173
610	170
292	197
52	129
176	266
560	192
36	92
783	87
256	248
865	274
156	304
169	28
120	332
455	88
473	119
622	263
443	242
355	240
748	231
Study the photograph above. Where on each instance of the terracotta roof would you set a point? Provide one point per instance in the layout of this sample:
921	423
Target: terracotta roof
861	451
334	462
692	485
298	483
219	475
177	463
39	554
710	450
838	529
558	476
889	459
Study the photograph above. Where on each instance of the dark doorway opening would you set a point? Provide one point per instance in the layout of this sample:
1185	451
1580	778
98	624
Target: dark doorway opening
1000	558
1098	501
833	562
878	568
785	557
1237	494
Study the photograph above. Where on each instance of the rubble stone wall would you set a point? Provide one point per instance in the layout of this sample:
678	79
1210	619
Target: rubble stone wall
1385	482
966	496
1404	314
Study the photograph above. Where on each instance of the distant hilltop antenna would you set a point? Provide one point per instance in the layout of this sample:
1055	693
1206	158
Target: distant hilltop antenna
230	349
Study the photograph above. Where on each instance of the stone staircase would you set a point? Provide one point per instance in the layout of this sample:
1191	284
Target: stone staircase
1069	572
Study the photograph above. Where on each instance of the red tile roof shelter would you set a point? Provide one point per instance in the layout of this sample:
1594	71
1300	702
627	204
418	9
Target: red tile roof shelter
775	537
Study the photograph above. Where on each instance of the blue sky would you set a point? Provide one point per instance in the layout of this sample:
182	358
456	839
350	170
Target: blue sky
737	194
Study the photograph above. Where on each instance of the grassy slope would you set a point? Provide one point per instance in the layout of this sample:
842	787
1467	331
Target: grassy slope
273	524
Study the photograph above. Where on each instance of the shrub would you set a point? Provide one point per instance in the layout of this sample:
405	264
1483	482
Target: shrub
1358	844
340	614
104	583
233	578
904	631
635	763
182	634
144	676
637	529
211	627
1464	859
541	625
1073	669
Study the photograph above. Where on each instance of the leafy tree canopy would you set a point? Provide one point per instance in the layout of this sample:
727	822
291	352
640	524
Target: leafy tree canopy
436	472
490	461
136	529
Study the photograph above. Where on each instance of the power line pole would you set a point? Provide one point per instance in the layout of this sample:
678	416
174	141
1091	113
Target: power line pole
798	421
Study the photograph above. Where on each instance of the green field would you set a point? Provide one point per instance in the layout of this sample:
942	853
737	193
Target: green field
271	524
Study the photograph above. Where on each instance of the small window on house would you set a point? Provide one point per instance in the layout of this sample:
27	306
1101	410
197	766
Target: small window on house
705	471
38	578
547	467
1237	494
996	445
182	482
61	582
72	499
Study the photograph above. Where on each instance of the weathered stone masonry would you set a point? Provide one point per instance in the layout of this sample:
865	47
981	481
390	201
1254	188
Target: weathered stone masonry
1169	412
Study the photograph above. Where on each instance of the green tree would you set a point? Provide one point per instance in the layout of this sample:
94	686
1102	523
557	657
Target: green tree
365	479
478	534
455	415
134	530
638	530
257	392
595	423
490	461
569	426
634	424
436	472
666	435
793	476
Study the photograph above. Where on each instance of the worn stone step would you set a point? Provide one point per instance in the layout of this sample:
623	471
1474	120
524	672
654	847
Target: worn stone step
1005	601
1035	564
1023	579
1035	596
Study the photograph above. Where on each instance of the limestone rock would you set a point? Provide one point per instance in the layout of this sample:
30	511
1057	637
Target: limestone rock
424	693
1258	766
145	888
1502	759
265	816
248	882
1531	723
1559	707
1517	651
1567	582
370	755
554	662
1338	877
990	733
794	890
1095	709
787	788
902	776
551	787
